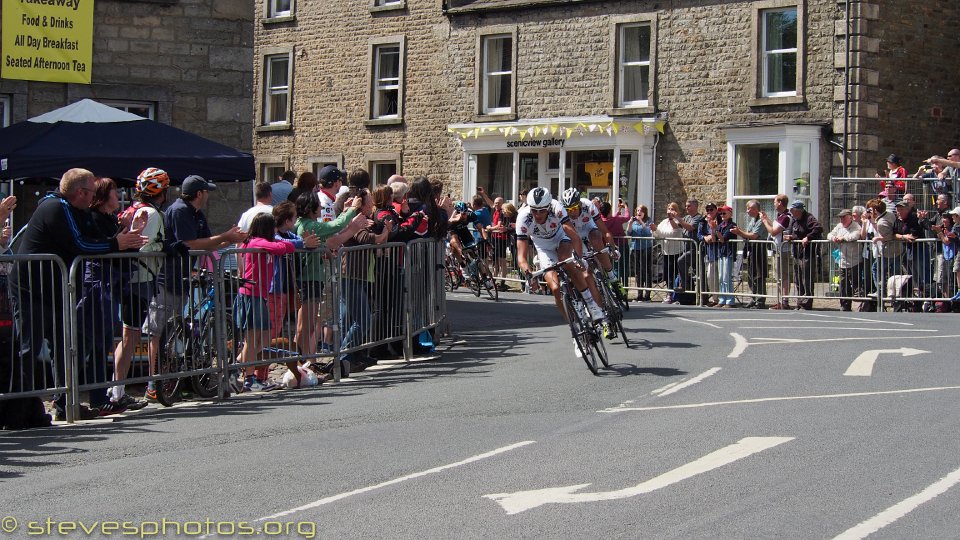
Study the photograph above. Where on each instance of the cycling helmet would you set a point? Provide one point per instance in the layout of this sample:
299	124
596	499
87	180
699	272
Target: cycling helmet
460	206
539	198
152	181
570	198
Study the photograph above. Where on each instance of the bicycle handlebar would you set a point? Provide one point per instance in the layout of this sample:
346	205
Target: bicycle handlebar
552	267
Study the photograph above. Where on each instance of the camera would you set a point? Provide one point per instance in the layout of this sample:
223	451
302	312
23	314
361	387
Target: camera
927	167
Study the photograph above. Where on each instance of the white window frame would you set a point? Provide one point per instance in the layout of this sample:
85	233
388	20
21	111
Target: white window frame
622	64
787	137
125	106
373	160
767	54
274	11
266	166
269	92
388	3
486	76
383	84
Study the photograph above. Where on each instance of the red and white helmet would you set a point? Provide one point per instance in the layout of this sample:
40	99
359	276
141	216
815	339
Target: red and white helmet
152	181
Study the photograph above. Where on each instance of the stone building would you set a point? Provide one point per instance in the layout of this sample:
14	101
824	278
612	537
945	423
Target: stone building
648	101
186	63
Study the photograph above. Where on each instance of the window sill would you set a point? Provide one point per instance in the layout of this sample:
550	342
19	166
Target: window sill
507	117
771	101
631	111
391	7
376	122
278	20
274	127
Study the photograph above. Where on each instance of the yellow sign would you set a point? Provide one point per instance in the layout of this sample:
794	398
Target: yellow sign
48	40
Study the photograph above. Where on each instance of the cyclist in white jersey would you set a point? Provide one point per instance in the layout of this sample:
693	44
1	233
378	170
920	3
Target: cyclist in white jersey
586	219
544	222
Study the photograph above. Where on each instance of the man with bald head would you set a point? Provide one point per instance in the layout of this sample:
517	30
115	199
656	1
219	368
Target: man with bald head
63	226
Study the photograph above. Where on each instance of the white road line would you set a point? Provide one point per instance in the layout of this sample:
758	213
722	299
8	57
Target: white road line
779	341
900	509
783	398
740	344
661	389
841	328
334	498
697	322
521	501
691	382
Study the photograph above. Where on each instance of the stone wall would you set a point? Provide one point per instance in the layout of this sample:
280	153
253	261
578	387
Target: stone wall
191	58
704	73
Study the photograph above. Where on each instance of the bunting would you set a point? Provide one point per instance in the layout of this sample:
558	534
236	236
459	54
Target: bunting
568	129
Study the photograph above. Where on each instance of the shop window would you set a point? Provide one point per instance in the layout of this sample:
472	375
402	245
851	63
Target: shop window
633	65
277	92
386	93
496	79
768	161
140	108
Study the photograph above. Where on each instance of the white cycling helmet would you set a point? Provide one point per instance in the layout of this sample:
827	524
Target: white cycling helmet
570	198
539	198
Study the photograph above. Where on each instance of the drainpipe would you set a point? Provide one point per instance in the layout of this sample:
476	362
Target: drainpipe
846	88
653	172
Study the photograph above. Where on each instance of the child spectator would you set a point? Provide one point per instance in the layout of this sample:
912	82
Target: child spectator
251	313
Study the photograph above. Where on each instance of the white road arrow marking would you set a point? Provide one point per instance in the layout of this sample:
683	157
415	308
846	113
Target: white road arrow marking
863	365
514	503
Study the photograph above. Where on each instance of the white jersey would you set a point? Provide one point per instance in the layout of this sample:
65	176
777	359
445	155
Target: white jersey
584	223
528	228
327	213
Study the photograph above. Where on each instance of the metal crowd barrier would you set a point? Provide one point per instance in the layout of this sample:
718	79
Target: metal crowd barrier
35	328
89	329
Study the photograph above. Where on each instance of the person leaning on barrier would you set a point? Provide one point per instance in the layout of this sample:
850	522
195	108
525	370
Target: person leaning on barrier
356	281
783	262
908	230
186	226
671	231
62	226
803	230
846	237
933	222
951	168
755	253
687	264
885	251
641	251
315	299
708	235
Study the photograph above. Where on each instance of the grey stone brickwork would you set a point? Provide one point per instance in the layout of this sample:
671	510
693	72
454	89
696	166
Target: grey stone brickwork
704	73
192	58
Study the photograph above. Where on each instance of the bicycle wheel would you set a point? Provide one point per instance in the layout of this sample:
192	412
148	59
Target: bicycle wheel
486	278
596	339
171	358
581	334
476	284
206	355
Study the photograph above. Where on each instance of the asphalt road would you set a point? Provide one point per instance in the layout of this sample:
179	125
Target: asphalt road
715	424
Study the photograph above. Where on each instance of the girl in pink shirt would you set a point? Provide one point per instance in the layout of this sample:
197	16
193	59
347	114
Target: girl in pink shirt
250	311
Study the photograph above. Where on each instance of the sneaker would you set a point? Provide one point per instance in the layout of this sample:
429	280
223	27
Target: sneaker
251	384
150	395
576	349
596	312
112	407
236	386
86	413
268	385
616	286
130	404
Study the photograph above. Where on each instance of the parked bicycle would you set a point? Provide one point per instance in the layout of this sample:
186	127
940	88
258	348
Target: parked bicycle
586	331
189	342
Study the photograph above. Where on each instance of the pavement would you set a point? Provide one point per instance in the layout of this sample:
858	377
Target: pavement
714	424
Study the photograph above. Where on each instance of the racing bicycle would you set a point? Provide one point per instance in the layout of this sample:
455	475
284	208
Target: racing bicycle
613	302
586	332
